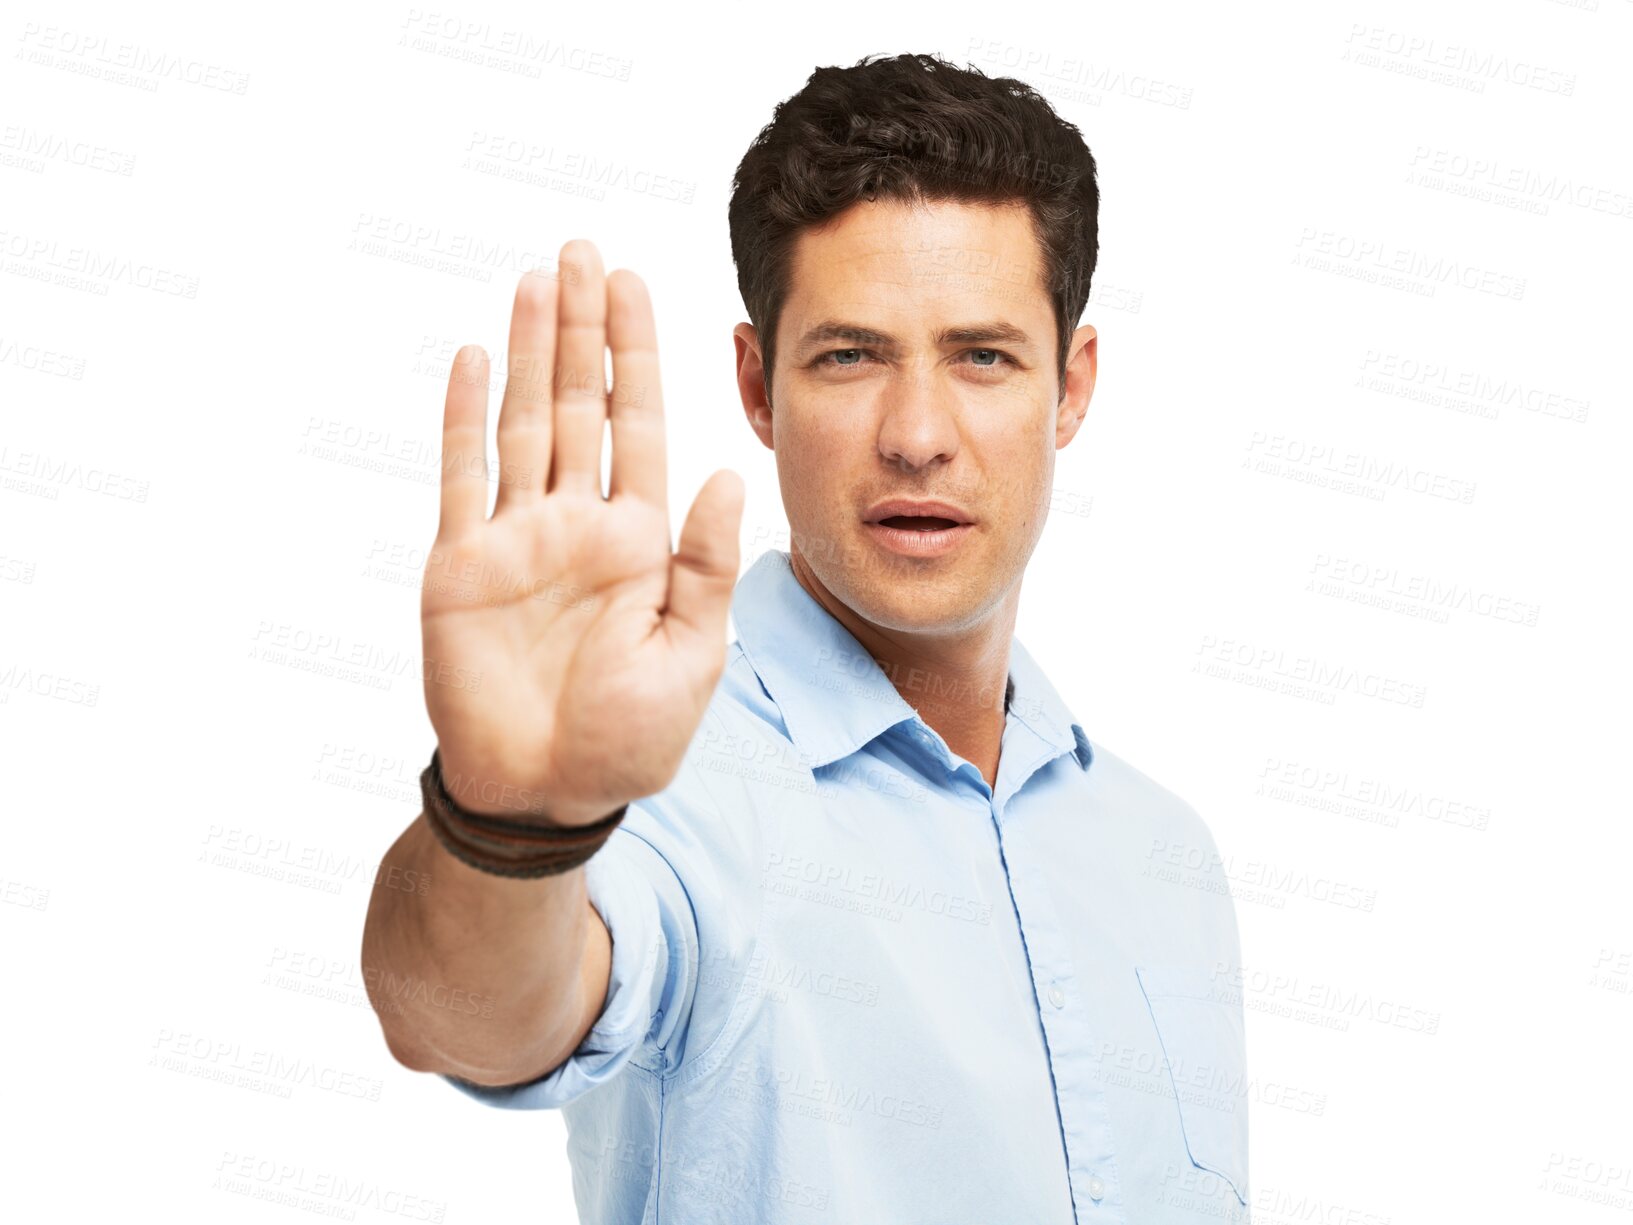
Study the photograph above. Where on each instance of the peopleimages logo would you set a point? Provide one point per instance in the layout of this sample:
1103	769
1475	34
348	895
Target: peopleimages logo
1399	267
1279	454
1327	1005
1322	675
1359	581
1417	55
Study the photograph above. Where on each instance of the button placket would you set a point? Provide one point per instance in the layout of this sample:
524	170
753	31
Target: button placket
1085	1117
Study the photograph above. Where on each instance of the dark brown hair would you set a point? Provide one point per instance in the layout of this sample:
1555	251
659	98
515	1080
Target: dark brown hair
915	128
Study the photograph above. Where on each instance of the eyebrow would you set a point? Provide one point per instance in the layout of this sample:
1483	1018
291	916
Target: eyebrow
993	332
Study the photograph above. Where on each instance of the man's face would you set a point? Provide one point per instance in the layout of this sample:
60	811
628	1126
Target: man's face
924	408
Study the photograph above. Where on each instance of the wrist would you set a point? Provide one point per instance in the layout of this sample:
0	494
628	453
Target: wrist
489	793
507	845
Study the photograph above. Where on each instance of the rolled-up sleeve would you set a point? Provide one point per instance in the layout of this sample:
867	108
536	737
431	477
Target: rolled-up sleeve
650	985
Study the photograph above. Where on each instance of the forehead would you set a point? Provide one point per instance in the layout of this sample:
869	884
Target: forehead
925	258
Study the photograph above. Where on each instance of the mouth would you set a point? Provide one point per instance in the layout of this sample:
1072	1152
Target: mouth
917	523
918	514
919	536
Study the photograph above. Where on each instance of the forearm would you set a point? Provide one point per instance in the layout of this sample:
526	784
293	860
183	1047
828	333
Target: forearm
481	976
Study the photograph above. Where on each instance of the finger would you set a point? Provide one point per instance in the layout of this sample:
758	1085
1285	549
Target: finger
465	444
639	467
703	570
524	414
580	390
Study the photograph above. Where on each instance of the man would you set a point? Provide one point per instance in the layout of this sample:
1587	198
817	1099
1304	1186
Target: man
849	921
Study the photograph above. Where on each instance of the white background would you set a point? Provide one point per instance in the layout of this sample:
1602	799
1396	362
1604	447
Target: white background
1434	900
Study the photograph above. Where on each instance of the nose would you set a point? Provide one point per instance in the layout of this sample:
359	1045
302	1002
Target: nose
918	427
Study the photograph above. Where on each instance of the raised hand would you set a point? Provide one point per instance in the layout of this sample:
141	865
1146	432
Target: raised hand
569	653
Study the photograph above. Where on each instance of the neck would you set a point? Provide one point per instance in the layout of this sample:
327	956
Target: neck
954	681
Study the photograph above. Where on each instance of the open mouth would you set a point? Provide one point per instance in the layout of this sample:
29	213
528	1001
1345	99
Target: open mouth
917	523
919	536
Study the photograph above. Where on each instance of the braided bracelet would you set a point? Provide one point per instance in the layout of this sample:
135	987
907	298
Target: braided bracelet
506	847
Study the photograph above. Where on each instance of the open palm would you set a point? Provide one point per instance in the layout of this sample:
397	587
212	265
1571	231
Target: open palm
569	654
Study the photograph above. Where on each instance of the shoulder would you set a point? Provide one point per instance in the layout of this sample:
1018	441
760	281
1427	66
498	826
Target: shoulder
706	812
1177	858
1151	802
741	752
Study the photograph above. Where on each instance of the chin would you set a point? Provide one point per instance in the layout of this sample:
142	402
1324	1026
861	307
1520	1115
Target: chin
920	602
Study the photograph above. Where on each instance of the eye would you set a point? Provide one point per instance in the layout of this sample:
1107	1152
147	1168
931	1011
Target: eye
996	355
857	353
850	359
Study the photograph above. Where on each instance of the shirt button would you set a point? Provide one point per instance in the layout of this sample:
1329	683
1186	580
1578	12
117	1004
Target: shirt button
1097	1189
1057	997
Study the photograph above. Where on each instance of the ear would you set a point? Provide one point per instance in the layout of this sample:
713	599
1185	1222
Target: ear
751	381
1080	369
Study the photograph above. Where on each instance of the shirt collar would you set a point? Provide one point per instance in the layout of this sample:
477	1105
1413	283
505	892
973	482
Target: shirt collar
833	696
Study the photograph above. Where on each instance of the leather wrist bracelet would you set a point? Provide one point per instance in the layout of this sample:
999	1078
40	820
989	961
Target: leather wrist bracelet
505	846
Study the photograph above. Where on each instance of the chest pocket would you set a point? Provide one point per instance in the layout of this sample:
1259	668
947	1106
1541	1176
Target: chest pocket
1205	1048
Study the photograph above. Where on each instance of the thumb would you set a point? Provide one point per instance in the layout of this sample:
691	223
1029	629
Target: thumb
703	570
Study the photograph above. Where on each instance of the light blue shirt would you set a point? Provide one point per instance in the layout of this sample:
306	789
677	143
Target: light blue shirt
853	984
